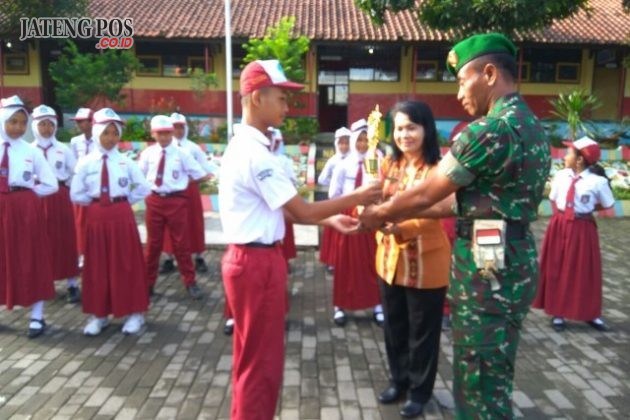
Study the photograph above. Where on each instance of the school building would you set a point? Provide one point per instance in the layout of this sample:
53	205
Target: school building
351	64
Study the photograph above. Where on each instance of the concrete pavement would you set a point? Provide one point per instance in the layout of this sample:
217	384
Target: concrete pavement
180	367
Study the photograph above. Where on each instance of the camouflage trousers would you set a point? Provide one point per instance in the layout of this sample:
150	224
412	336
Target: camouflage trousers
484	352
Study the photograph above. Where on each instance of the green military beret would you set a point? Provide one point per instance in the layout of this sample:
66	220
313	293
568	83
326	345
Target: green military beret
476	46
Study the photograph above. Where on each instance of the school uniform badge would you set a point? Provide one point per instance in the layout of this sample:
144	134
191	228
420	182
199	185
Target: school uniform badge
585	199
27	175
265	173
175	174
123	182
58	164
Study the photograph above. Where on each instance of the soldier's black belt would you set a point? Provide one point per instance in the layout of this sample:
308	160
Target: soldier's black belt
515	230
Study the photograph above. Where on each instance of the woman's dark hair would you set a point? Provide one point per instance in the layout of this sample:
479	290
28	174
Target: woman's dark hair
419	113
596	168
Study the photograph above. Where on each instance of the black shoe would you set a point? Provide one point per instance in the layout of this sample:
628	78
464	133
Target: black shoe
558	324
200	265
73	295
228	329
599	325
167	266
391	394
194	291
36	332
411	409
339	317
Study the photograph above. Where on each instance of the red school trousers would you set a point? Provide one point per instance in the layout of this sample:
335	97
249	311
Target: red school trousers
255	282
168	211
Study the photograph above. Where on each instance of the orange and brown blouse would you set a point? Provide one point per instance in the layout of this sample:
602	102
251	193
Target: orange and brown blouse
419	255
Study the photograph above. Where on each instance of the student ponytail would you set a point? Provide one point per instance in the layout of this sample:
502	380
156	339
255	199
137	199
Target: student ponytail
598	170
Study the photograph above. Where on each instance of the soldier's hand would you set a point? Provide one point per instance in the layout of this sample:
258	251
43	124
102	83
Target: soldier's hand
370	219
370	193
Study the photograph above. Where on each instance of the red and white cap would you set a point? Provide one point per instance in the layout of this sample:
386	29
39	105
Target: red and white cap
265	73
177	118
83	114
161	123
588	148
360	125
105	115
342	132
12	102
43	111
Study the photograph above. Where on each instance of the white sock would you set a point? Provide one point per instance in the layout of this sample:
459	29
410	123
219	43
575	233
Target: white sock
229	322
37	311
378	309
72	282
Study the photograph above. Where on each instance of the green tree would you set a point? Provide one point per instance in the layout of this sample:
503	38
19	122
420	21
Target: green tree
280	43
13	10
466	17
91	77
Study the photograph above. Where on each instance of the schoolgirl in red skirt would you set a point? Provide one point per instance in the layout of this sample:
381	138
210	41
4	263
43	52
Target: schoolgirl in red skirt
355	278
25	268
342	147
570	264
114	274
58	210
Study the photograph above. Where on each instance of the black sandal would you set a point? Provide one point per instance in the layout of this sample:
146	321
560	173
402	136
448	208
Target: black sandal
36	332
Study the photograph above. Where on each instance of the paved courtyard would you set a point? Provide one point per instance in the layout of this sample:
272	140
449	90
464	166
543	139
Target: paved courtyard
180	367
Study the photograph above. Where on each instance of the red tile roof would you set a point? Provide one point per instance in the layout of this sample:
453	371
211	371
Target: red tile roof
335	20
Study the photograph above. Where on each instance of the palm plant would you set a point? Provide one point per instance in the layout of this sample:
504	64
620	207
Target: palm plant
573	108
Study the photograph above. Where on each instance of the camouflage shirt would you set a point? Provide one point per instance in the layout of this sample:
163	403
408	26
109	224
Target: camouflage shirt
502	161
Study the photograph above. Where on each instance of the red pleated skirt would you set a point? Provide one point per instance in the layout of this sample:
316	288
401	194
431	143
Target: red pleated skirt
195	222
327	251
25	268
79	223
570	270
59	216
114	274
288	243
355	279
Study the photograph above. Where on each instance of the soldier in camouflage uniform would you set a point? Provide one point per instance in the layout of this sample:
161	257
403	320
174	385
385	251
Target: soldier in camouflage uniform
497	170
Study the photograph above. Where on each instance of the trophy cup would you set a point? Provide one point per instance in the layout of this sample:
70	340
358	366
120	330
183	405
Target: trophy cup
371	158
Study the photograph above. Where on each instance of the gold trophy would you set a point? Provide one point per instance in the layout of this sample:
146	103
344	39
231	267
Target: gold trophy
374	122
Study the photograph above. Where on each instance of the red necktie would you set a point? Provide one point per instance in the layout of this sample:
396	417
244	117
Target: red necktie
4	170
105	199
45	150
160	170
569	208
358	179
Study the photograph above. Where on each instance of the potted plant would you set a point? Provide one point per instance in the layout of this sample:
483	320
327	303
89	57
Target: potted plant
573	107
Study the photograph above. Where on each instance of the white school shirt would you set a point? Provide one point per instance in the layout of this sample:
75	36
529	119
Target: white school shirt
81	147
253	187
59	157
179	165
325	176
344	175
198	154
590	190
125	178
26	165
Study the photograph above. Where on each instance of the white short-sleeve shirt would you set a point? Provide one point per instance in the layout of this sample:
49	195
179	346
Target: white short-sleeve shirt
26	165
178	167
253	187
125	178
59	157
81	146
590	190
